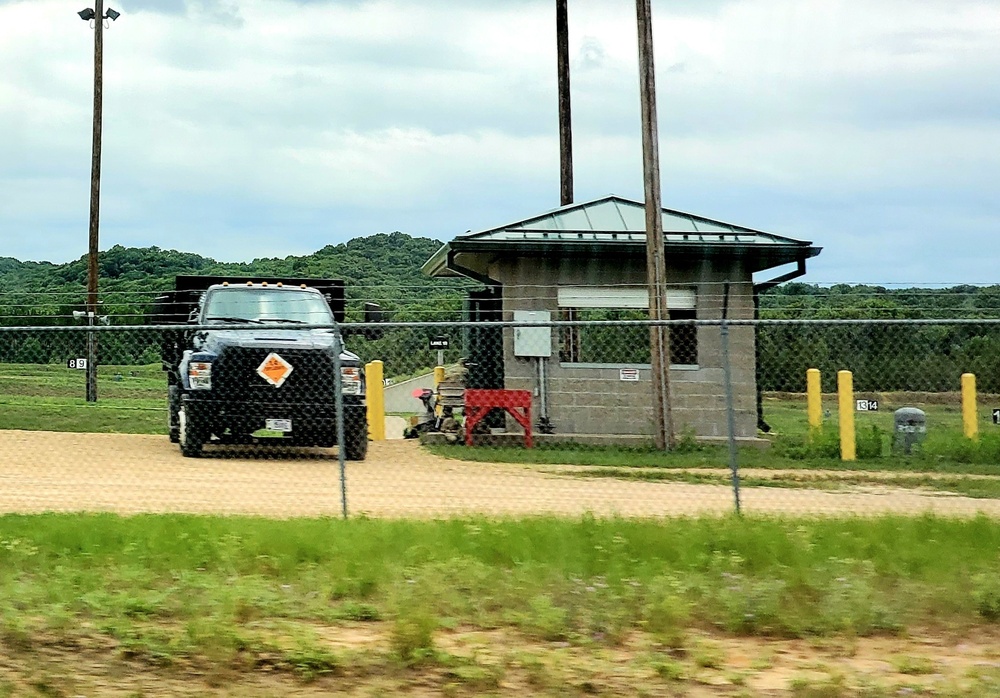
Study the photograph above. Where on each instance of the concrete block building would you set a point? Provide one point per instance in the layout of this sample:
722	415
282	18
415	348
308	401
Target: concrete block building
587	261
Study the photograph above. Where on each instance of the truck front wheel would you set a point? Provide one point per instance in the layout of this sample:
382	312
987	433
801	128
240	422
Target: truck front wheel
173	407
190	437
355	440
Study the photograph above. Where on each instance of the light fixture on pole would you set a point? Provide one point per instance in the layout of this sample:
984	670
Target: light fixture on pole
96	13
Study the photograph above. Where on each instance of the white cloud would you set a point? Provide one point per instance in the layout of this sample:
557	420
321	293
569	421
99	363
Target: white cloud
226	122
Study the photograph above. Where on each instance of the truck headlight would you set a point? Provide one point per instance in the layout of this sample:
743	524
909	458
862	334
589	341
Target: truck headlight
350	380
200	375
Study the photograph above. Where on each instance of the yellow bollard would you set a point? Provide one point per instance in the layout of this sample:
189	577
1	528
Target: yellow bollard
814	399
376	400
438	380
970	419
845	390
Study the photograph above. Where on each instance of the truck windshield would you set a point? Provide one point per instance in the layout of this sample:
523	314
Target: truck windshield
266	305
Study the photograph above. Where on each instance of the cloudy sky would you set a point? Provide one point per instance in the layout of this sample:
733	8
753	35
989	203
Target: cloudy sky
264	128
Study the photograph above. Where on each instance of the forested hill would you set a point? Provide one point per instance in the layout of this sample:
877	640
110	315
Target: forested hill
384	259
845	301
384	268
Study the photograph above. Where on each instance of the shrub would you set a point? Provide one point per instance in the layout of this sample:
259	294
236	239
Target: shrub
311	661
870	442
545	619
820	443
667	620
957	448
415	622
825	443
688	442
849	600
413	635
986	593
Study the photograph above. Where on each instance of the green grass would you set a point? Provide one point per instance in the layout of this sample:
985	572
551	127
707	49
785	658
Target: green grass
980	488
108	415
206	595
914	666
51	380
945	454
131	399
551	578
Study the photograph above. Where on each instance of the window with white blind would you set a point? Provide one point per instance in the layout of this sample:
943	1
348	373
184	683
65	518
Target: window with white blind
617	344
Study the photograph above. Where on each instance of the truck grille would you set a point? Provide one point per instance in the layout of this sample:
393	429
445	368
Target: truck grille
312	380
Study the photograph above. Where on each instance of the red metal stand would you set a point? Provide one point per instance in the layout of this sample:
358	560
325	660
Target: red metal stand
517	403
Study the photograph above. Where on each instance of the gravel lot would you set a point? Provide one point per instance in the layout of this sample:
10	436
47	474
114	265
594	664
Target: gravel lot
124	473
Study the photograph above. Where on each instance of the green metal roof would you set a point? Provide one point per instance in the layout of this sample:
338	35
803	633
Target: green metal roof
613	223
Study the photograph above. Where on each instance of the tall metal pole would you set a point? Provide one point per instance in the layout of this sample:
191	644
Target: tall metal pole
565	111
656	274
95	198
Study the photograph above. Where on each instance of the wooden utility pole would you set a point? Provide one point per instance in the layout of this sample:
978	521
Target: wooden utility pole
95	199
565	112
656	274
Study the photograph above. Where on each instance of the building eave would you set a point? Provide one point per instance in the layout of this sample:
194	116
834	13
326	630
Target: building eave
437	265
759	257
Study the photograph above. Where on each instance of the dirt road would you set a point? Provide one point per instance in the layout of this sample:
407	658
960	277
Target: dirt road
48	471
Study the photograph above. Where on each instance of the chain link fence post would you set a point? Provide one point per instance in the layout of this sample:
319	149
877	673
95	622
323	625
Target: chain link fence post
338	386
91	357
730	407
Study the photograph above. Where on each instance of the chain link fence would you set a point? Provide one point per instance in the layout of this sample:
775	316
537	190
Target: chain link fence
436	418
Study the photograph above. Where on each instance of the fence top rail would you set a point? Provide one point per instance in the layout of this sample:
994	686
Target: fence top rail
357	326
170	328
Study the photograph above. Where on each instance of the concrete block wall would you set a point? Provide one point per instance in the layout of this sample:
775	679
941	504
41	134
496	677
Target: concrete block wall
594	400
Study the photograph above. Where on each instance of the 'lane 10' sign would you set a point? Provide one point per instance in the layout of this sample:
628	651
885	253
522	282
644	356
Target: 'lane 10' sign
867	405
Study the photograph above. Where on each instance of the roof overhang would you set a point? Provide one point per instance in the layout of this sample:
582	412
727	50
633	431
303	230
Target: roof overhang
458	256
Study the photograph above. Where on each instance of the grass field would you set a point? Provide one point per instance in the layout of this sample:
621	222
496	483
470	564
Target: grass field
131	399
477	606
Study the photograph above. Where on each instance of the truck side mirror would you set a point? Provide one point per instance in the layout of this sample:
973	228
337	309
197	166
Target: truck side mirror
372	316
373	313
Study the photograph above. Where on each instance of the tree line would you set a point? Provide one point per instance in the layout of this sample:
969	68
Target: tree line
385	269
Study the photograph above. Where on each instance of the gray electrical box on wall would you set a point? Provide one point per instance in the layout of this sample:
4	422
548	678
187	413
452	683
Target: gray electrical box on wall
533	341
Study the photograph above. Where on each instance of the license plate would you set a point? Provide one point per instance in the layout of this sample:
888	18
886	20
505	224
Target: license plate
282	425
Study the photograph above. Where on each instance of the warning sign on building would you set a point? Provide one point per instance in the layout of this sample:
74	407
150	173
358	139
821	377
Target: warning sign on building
275	370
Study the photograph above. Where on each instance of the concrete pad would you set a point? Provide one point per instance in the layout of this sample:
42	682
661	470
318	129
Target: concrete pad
394	427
